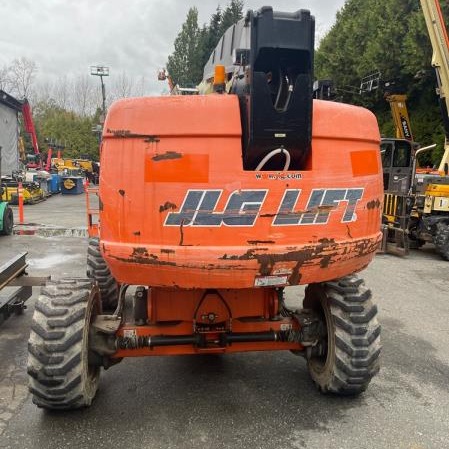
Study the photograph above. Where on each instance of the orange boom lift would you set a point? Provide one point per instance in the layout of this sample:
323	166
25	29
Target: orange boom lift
212	205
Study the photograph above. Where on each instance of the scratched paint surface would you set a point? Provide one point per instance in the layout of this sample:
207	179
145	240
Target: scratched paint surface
179	210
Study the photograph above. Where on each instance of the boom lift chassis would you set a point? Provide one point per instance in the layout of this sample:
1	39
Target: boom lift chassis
206	261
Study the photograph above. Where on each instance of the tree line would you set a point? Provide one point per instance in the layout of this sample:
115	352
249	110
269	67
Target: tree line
194	44
65	110
388	36
385	36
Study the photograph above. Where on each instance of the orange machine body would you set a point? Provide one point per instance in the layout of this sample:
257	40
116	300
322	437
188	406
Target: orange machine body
178	213
178	210
210	207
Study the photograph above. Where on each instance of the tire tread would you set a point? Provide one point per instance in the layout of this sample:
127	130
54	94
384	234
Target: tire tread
55	347
357	335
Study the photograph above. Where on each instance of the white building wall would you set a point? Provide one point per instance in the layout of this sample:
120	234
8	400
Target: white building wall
9	135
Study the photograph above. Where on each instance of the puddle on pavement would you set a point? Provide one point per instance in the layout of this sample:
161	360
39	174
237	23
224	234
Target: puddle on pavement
52	232
51	261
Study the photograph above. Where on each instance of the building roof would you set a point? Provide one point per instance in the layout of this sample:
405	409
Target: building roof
10	101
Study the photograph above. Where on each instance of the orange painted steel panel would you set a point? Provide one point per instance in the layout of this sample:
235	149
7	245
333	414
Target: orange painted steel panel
309	225
195	115
364	163
173	167
179	305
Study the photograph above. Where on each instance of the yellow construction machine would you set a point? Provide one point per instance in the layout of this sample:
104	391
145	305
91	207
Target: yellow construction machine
416	206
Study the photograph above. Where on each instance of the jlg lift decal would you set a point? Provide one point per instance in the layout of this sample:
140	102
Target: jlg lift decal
198	208
321	202
243	208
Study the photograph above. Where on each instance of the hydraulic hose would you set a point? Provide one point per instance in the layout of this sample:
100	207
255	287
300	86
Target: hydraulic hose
273	153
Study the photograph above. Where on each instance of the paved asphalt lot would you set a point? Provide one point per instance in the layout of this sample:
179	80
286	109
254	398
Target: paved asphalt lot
257	400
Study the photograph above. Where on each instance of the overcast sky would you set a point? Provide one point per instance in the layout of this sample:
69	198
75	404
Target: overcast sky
135	36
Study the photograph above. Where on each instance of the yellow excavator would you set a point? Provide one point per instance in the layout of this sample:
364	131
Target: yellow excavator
397	163
432	210
398	106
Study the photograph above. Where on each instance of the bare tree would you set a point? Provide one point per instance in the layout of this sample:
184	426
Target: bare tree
84	95
22	72
122	86
42	91
139	90
5	78
80	94
61	92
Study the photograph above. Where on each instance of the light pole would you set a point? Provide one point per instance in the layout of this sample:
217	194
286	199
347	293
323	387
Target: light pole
101	71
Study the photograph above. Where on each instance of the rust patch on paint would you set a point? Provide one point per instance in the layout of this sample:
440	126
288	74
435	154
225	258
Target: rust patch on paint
119	132
167	156
321	254
152	259
152	139
142	253
146	260
139	252
149	138
261	242
325	261
166	206
374	204
325	208
181	232
325	253
348	231
326	241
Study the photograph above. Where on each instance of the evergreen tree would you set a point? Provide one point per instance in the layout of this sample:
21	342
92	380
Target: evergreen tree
193	45
232	14
67	128
214	28
184	65
389	36
210	35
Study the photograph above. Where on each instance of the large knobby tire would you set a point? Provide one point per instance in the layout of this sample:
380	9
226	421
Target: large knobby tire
61	376
98	271
8	221
352	345
441	240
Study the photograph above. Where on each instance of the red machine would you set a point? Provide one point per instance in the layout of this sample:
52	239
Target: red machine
35	161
